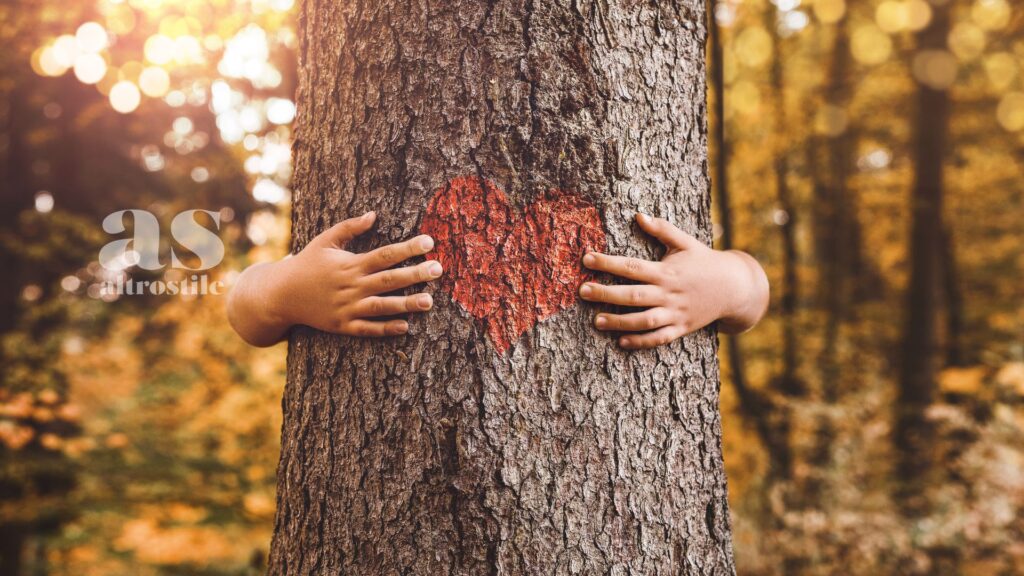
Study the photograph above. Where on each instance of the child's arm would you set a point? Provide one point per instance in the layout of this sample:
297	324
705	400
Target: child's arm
330	289
690	288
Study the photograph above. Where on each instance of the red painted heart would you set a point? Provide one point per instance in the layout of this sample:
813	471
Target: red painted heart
506	269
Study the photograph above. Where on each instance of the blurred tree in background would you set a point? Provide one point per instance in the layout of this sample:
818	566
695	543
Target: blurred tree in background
868	153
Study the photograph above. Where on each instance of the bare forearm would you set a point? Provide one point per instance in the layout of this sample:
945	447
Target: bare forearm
750	302
253	307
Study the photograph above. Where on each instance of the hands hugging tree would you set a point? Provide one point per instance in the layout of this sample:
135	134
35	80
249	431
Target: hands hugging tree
331	289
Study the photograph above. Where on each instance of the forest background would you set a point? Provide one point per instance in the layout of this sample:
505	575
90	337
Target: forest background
868	153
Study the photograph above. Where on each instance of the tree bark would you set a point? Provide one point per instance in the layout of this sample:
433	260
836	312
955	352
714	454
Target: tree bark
450	450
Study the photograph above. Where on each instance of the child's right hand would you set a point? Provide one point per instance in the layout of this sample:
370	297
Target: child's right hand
331	289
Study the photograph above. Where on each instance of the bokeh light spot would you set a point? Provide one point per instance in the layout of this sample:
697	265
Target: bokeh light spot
830	11
991	14
154	82
753	47
44	202
870	45
280	111
90	68
91	37
1011	112
125	97
159	49
1001	69
50	64
967	41
936	69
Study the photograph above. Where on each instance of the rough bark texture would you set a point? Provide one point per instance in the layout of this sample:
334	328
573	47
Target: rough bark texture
438	452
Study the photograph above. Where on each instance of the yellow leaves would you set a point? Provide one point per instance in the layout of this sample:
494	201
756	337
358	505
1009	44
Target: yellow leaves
51	441
14	436
259	505
964	381
1011	378
116	440
155	544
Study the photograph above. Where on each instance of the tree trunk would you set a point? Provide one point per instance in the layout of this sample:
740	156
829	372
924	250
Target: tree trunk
503	435
953	300
913	433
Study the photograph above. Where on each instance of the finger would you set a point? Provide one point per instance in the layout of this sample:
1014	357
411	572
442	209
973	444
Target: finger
635	322
368	329
396	278
344	231
659	337
390	305
667	233
640	295
627	267
387	256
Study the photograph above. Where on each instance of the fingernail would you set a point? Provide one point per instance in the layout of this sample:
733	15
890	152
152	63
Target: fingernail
585	290
402	327
600	321
642	217
425	301
426	243
625	342
435	269
369	215
589	259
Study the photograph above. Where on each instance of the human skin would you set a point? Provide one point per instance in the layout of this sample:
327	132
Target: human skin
331	289
691	287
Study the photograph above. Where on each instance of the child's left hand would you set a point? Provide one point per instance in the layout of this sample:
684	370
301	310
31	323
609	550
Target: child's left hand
690	288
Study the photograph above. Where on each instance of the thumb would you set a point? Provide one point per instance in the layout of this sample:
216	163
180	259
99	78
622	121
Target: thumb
344	231
667	233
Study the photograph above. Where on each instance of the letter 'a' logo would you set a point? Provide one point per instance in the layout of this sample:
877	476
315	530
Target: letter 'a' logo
143	248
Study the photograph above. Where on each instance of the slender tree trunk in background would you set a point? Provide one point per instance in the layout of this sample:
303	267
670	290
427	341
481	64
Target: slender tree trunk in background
450	450
790	383
837	245
753	405
838	221
913	433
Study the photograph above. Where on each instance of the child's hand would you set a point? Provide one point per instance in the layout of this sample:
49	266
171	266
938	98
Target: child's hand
690	288
330	289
